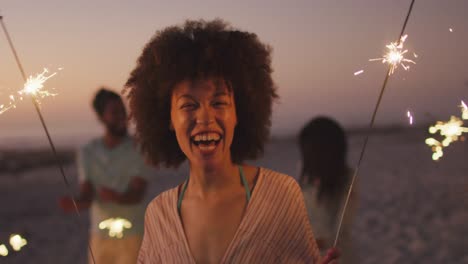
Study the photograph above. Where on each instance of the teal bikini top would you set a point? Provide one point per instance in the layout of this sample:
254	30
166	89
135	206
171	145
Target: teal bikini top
243	179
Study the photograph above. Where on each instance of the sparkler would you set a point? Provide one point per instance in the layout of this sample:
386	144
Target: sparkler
17	242
451	130
33	88
371	125
116	226
3	250
395	55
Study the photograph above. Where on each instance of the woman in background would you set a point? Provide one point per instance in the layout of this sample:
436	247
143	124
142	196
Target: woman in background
325	178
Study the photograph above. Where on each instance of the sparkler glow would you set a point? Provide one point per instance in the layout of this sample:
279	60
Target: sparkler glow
17	242
3	250
34	87
116	226
451	130
451	29
395	55
358	72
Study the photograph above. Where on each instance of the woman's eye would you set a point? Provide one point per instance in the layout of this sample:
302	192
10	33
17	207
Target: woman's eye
220	103
188	106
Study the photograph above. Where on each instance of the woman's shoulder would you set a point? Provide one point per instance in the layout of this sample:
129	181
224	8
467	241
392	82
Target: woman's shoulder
279	184
164	202
277	178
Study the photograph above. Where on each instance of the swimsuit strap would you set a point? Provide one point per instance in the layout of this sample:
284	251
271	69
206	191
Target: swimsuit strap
245	183
243	179
181	196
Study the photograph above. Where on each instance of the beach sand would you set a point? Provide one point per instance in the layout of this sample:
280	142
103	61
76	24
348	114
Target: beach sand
412	209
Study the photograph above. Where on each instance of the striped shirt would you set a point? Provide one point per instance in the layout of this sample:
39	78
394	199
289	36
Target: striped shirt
274	229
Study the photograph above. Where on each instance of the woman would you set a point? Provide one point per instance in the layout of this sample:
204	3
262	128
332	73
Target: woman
325	177
203	92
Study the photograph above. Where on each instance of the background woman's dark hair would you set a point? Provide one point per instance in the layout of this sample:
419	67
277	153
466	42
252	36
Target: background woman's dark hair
323	147
102	97
194	51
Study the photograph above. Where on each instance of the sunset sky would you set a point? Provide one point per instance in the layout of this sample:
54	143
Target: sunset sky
317	46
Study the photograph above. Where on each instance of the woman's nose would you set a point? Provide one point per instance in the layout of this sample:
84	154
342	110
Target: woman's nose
205	116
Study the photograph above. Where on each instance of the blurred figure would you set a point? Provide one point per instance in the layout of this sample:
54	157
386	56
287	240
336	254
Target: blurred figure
112	183
325	178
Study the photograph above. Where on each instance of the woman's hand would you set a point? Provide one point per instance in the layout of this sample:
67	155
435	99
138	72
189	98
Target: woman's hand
331	257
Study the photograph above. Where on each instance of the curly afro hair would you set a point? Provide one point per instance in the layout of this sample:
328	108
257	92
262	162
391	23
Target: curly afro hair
200	50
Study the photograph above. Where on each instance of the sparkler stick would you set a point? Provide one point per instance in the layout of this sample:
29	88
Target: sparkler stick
371	125
44	126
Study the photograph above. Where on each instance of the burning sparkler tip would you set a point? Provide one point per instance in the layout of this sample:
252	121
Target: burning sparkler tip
395	55
34	87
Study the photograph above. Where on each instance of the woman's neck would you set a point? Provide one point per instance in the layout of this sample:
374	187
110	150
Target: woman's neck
204	180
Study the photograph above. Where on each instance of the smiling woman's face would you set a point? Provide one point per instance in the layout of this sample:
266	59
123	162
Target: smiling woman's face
203	116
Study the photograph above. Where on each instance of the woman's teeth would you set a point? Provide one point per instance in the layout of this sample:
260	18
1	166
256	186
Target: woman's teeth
206	137
206	141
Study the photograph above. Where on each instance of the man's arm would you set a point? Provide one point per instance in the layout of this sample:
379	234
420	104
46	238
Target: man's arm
83	201
134	194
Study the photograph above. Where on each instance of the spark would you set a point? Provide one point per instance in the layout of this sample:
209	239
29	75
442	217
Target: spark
33	87
116	226
17	242
415	55
3	250
395	55
451	130
358	72
464	110
410	117
451	29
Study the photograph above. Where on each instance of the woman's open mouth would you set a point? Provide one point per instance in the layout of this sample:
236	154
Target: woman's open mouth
206	141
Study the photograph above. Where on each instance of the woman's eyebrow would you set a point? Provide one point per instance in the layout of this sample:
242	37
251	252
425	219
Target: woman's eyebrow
221	93
185	96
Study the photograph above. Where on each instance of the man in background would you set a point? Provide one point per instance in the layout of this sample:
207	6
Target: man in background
112	183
